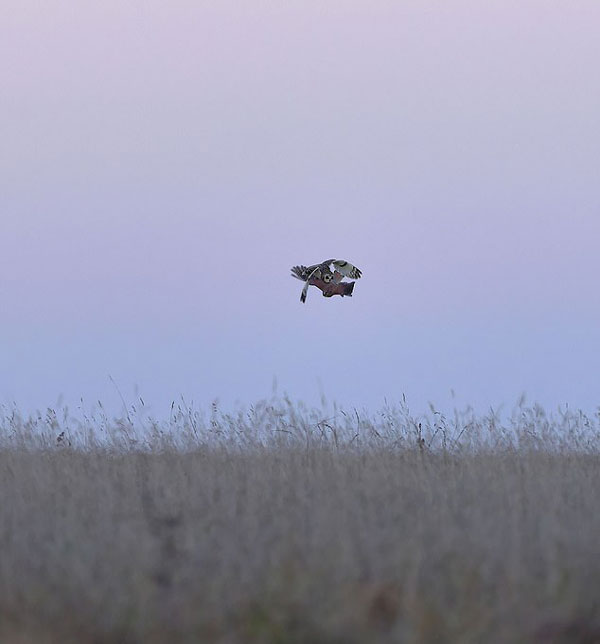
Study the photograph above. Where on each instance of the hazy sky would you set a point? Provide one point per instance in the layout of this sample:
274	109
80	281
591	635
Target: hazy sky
162	165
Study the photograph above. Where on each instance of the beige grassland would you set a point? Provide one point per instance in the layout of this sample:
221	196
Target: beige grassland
282	524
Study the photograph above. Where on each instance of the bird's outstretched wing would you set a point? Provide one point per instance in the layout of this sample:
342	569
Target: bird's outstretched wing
347	269
302	272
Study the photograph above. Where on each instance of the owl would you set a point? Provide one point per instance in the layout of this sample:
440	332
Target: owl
329	281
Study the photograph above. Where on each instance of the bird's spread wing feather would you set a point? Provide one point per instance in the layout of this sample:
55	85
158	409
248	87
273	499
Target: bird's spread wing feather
299	272
346	269
302	272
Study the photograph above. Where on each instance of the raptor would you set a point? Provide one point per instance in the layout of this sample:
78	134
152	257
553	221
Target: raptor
329	281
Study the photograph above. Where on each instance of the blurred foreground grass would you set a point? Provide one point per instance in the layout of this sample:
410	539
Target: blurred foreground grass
287	524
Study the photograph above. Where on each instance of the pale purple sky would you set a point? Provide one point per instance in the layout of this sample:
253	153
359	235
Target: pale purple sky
164	164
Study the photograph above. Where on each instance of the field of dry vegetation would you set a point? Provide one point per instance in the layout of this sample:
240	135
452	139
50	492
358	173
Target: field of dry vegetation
286	524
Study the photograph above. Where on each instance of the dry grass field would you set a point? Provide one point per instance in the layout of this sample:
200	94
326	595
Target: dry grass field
284	524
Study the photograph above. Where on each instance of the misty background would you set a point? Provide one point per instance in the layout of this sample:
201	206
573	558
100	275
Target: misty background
163	166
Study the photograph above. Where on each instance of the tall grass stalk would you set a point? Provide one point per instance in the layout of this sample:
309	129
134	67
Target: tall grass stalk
281	523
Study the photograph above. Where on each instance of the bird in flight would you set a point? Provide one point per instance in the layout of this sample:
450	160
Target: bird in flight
329	281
